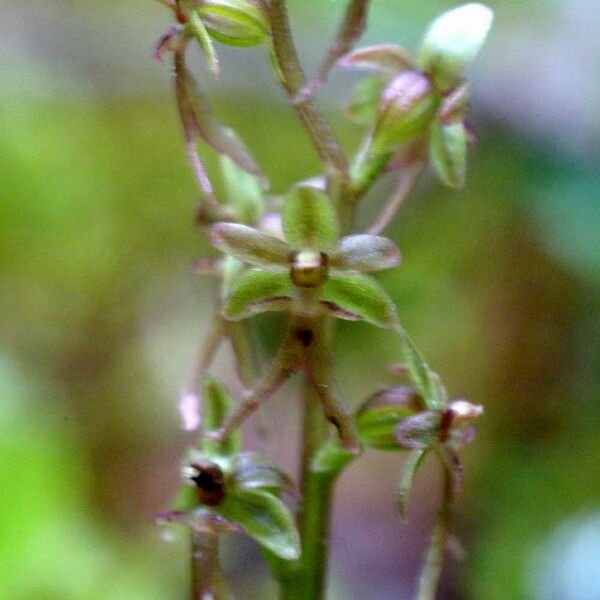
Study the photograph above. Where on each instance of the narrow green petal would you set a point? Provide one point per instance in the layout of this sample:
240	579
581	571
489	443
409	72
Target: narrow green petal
310	219
364	252
251	246
258	291
361	295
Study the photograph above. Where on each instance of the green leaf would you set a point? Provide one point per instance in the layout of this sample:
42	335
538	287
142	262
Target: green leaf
379	417
364	100
251	246
363	296
452	41
411	465
426	381
243	191
331	458
257	291
236	22
206	45
309	219
363	252
385	58
406	108
448	152
253	471
216	404
266	519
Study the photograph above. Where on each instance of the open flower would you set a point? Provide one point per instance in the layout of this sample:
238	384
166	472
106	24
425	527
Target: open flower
226	490
426	98
310	257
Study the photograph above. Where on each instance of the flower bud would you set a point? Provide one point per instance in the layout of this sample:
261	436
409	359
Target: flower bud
309	268
406	107
236	22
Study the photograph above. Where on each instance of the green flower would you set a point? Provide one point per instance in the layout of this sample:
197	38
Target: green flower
226	490
311	268
424	98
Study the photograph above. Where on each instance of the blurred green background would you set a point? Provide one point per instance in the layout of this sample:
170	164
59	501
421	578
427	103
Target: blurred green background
100	318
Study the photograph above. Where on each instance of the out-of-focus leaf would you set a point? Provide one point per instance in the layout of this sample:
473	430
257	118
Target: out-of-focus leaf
385	58
448	152
309	219
331	458
362	107
361	295
363	252
257	291
243	191
266	519
253	471
216	404
251	246
409	470
452	41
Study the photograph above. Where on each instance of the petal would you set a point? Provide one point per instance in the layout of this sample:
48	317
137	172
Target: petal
363	252
310	219
251	246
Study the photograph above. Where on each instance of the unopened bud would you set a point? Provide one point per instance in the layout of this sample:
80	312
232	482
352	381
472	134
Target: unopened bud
236	22
309	269
406	107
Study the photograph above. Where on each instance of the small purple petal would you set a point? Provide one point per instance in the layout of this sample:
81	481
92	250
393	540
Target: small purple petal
163	43
189	410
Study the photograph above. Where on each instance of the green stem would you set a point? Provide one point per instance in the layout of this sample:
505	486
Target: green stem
308	579
293	80
207	580
434	560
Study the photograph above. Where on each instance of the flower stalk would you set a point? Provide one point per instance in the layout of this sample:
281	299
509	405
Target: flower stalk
310	264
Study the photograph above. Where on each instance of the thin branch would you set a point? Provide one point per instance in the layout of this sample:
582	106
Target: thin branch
405	186
191	129
293	79
208	582
264	389
205	357
434	560
350	31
